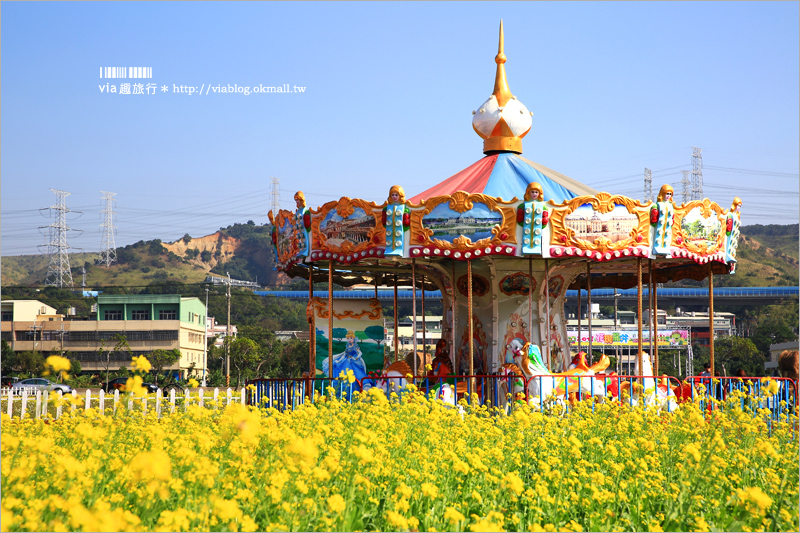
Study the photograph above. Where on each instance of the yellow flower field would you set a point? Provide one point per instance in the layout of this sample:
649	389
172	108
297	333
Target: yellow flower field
410	465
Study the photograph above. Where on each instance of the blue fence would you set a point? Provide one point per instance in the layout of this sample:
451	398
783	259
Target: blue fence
774	399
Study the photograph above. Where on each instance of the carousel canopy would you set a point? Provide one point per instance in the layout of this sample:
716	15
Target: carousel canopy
506	175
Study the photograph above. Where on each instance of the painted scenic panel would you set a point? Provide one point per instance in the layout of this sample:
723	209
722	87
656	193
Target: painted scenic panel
447	224
590	225
287	245
699	230
354	228
356	318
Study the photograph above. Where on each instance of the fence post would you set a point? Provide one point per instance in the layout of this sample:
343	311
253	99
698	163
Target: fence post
88	403
101	405
229	397
158	403
116	401
144	407
24	410
58	404
186	401
172	401
200	397
216	398
130	402
37	412
10	406
242	399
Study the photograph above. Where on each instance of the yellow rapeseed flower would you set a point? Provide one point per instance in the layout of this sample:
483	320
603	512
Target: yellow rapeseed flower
336	504
430	490
453	516
397	520
58	363
141	364
512	482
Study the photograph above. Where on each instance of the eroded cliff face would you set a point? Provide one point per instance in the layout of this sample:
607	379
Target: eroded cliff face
214	243
223	248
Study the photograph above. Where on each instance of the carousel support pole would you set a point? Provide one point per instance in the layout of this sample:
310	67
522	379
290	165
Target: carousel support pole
424	323
414	310
580	310
654	335
376	286
639	310
530	300
453	350
330	319
589	304
471	332
547	310
396	353
711	318
312	332
652	310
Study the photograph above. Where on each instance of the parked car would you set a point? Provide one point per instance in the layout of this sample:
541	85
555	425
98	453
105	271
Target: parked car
119	384
8	381
36	384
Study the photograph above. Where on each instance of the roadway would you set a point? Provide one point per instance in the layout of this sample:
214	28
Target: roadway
666	297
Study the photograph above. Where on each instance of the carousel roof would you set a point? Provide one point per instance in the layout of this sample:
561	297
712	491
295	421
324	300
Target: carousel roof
506	175
502	121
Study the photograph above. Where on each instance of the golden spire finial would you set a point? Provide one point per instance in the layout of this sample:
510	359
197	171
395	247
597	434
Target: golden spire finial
501	90
501	121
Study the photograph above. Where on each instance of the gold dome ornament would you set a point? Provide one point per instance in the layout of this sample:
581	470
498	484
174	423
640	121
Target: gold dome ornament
502	120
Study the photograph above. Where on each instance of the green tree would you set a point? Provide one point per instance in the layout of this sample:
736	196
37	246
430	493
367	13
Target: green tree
243	353
31	363
731	354
775	327
159	359
6	358
120	346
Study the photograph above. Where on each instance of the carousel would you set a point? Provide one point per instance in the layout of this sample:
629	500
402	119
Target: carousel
502	240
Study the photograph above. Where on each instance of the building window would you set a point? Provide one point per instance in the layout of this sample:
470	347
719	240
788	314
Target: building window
168	314
140	315
112	315
7	316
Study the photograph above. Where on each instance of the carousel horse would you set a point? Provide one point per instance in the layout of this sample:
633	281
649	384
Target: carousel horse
546	384
651	391
394	378
441	364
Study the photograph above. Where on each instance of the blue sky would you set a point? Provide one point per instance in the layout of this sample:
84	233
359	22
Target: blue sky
390	88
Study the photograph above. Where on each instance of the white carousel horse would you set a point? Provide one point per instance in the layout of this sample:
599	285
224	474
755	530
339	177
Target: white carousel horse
652	392
546	384
394	378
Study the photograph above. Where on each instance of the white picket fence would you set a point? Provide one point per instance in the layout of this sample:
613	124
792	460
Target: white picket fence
17	405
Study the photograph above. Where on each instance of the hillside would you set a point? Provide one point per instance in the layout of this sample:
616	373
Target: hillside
768	256
243	250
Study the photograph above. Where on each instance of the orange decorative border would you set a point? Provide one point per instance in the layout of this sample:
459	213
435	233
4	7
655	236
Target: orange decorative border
461	202
603	202
286	255
345	207
322	310
707	208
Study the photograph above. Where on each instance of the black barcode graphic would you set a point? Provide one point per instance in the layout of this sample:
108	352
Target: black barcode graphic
126	72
